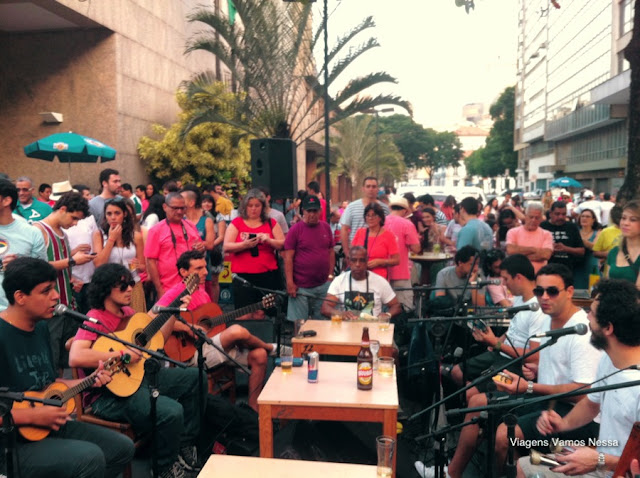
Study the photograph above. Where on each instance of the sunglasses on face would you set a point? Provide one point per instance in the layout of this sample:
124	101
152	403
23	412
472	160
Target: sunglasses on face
125	285
552	291
24	190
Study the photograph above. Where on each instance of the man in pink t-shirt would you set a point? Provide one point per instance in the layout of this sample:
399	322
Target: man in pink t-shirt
531	240
234	340
407	236
166	241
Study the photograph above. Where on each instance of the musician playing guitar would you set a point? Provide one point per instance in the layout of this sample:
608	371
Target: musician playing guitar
177	407
72	449
235	340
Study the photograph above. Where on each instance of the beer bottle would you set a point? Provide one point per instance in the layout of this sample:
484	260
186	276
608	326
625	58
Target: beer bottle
365	363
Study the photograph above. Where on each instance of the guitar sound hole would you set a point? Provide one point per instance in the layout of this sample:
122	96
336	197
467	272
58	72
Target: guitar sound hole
140	339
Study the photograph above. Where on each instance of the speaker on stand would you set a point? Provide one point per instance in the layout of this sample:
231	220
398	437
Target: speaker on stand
273	165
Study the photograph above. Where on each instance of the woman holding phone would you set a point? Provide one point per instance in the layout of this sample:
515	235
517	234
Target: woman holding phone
253	239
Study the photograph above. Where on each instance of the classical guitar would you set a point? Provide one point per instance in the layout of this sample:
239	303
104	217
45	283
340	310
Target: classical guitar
181	345
60	391
143	331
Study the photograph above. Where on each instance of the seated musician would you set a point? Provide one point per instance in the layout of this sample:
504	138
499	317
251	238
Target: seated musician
72	449
451	280
517	274
177	422
359	291
235	340
614	320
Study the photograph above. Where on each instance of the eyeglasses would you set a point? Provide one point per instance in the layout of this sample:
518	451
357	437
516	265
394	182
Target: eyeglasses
24	190
125	285
177	208
552	291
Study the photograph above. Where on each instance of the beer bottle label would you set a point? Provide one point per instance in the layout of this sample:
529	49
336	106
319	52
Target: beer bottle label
365	373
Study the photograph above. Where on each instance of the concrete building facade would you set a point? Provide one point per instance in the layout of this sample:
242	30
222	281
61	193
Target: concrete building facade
572	92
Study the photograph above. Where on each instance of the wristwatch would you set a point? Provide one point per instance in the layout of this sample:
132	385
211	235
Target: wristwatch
601	461
497	346
72	262
529	387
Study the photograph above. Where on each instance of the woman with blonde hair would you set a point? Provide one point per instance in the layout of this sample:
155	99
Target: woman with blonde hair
253	239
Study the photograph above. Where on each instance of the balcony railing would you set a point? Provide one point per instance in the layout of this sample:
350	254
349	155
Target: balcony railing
578	121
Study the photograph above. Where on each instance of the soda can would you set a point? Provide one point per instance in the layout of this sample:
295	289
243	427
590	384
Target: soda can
312	371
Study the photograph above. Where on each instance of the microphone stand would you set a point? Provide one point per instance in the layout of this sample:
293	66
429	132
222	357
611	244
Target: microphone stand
203	338
151	367
511	469
279	313
8	425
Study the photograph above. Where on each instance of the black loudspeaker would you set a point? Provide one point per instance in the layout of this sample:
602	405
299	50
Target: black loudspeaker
273	165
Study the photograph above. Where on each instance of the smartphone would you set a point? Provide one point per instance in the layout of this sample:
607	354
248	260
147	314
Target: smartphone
252	236
254	250
93	253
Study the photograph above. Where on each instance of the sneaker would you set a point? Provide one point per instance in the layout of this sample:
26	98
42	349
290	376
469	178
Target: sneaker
188	458
174	471
427	471
284	350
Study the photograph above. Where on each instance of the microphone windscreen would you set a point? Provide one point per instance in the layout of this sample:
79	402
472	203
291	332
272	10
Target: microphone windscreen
581	329
535	306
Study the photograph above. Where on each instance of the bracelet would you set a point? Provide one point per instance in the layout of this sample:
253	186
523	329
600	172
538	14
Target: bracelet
497	346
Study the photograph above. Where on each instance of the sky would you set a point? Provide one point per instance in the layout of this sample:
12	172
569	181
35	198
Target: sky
442	57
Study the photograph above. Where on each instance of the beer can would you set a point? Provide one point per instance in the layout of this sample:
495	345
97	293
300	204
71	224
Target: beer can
312	370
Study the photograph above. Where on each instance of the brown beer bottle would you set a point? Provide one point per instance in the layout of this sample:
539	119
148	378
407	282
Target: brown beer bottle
365	363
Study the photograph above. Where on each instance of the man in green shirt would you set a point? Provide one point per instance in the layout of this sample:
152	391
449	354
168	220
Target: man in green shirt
28	207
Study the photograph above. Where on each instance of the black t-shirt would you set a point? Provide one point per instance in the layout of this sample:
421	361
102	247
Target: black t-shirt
25	358
569	235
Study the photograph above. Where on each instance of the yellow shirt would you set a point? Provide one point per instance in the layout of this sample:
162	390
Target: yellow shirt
607	239
224	206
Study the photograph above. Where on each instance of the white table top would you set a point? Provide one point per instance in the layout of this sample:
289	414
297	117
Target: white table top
336	387
227	466
346	332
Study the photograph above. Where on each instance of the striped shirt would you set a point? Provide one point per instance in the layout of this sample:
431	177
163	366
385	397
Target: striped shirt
353	216
58	249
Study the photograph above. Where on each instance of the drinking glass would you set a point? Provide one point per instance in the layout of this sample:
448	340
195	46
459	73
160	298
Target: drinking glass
385	446
374	345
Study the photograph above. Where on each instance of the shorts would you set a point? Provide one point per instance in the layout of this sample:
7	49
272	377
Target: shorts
213	357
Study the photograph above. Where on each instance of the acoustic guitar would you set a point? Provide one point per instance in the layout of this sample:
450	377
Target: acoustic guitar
181	345
64	393
631	450
142	331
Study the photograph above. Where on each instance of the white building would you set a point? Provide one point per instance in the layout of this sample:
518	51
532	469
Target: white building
572	92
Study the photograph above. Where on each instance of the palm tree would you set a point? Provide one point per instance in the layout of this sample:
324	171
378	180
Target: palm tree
356	155
269	52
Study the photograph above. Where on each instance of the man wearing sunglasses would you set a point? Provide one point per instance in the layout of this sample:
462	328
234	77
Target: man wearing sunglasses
569	364
167	240
27	206
614	320
177	418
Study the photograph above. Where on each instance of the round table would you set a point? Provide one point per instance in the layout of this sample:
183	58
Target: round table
426	260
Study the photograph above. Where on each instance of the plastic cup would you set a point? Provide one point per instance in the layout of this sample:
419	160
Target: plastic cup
385	446
286	363
336	319
383	322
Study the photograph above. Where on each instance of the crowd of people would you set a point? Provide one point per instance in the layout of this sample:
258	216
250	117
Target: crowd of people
115	254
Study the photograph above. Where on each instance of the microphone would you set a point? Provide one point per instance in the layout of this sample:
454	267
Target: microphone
62	309
158	309
514	310
482	283
243	281
579	329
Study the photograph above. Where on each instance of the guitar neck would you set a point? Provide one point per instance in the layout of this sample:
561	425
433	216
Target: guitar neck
229	316
80	387
156	324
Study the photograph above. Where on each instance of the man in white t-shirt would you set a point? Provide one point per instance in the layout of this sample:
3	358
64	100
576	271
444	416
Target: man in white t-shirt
615	328
517	273
359	291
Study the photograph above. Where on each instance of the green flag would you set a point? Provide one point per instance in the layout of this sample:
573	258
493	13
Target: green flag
232	12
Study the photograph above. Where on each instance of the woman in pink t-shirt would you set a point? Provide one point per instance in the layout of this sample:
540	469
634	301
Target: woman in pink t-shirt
252	239
381	245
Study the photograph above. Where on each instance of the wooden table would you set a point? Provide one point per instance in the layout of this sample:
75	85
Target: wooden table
335	398
426	260
227	466
342	338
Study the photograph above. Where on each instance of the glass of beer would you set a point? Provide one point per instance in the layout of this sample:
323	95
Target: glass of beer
385	446
286	363
385	366
336	317
383	322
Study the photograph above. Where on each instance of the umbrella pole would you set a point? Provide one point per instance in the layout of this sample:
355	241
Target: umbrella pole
69	171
